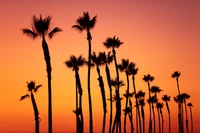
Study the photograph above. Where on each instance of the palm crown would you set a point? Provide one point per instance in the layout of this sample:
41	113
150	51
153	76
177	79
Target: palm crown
40	27
112	42
166	98
106	58
75	62
176	74
148	78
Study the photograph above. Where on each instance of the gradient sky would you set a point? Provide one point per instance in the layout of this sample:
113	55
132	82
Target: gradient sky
159	36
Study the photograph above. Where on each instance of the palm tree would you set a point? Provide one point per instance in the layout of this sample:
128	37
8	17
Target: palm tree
133	71
153	100
123	67
159	107
140	95
115	83
32	88
107	59
185	97
41	28
176	75
74	63
97	60
190	106
155	89
115	43
84	23
166	98
148	78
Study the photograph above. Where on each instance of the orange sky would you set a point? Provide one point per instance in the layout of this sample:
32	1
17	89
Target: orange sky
160	37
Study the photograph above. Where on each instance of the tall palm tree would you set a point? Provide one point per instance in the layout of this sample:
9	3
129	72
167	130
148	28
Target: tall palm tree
166	99
123	67
148	78
84	23
133	71
114	42
153	100
185	97
33	88
159	107
190	106
97	60
41	27
176	75
115	83
140	95
107	59
75	63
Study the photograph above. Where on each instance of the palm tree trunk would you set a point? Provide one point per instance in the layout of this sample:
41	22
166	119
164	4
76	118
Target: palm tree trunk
35	112
118	94
131	121
168	116
154	118
191	119
77	126
162	120
150	120
137	107
80	91
179	118
143	117
89	38
136	119
182	118
110	88
159	120
186	116
103	96
126	104
48	69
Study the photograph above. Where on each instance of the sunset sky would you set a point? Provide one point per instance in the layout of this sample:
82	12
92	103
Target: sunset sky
159	36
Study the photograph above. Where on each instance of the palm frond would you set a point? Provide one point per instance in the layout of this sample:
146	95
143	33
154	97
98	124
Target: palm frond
37	87
93	22
24	96
54	31
29	33
78	28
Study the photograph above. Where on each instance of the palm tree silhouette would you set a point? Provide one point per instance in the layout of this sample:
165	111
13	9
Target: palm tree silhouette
155	89
115	43
159	107
75	63
148	78
117	84
32	88
190	106
185	97
85	23
176	75
123	67
166	98
41	27
140	95
133	71
107	59
97	60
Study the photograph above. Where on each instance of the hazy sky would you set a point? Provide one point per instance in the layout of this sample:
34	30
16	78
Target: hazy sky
160	37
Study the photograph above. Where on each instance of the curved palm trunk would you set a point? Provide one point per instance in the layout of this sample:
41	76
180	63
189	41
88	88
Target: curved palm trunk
80	92
191	119
110	88
48	69
154	118
168	110
103	96
162	119
150	120
118	107
35	113
89	38
186	116
126	105
159	120
137	107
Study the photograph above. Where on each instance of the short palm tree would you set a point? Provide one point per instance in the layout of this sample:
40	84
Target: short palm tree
85	23
148	78
33	88
107	59
97	60
114	42
159	107
190	106
166	99
41	27
155	89
115	83
133	71
75	63
185	97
